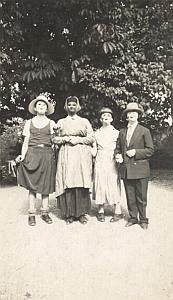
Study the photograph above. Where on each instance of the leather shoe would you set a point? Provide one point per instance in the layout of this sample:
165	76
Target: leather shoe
31	221
101	217
115	218
144	226
128	224
69	220
83	220
46	218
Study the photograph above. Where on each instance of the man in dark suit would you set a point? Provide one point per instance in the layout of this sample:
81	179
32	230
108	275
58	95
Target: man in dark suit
134	148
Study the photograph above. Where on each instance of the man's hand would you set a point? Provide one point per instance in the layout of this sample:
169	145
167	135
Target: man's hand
131	153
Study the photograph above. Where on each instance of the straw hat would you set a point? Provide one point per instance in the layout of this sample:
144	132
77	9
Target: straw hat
50	107
132	106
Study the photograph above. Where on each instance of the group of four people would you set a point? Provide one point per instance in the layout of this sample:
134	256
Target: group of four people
116	155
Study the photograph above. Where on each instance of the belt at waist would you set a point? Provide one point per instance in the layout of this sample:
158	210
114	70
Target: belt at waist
40	146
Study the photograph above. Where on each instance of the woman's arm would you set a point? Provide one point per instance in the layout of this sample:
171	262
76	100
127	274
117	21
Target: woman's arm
26	134
56	135
24	148
94	149
118	151
86	140
59	140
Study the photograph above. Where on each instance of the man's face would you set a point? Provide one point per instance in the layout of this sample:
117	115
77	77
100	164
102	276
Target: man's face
132	116
106	118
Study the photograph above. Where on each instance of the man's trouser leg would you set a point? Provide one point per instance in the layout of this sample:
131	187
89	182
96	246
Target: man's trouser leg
141	198
130	185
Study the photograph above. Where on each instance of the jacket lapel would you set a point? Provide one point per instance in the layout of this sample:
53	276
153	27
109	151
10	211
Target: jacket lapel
135	135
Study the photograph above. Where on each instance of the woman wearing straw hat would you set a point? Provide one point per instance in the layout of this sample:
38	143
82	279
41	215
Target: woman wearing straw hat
36	171
74	165
136	147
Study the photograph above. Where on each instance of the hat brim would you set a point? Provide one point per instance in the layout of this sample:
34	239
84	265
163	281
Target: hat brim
106	112
50	107
138	110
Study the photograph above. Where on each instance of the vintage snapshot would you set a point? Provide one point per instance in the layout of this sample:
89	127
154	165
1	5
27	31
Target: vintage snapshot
86	150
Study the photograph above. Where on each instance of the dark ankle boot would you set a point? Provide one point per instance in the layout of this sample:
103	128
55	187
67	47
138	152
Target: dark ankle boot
46	218
31	220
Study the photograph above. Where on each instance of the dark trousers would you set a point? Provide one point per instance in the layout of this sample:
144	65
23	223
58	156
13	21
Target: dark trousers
136	194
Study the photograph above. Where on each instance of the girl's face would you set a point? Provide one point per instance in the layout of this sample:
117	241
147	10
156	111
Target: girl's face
72	107
41	108
106	118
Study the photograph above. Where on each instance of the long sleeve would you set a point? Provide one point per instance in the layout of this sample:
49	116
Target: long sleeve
59	140
89	138
94	149
148	147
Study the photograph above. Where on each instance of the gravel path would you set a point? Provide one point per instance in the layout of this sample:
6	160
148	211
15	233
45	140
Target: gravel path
95	261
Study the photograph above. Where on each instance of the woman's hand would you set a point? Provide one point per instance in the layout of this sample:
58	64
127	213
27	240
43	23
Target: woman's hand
119	158
66	139
19	158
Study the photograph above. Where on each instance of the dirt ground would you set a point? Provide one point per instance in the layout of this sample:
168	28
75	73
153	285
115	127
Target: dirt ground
82	262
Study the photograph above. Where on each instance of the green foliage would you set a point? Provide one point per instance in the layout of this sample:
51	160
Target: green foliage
129	62
107	52
10	141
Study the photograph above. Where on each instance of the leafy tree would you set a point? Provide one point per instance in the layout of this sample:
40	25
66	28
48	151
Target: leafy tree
129	58
107	52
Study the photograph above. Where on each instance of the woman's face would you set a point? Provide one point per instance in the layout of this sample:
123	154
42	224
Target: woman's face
41	107
106	118
72	107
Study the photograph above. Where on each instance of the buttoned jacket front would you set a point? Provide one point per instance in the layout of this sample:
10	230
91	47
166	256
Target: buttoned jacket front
138	166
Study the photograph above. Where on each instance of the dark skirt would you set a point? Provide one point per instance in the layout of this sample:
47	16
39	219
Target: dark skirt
37	172
75	202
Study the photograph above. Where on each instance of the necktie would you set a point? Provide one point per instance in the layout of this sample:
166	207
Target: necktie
129	134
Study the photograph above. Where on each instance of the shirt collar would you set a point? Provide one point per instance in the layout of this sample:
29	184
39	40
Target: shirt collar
72	117
132	125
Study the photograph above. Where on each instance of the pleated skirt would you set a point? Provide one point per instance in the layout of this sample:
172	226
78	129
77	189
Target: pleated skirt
74	202
37	172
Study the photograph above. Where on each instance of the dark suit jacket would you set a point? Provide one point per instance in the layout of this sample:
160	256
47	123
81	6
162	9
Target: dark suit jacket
138	166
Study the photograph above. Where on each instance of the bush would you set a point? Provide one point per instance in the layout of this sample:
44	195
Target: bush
10	142
10	148
163	156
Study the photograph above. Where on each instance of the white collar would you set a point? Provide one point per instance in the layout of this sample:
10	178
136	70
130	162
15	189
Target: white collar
132	125
72	117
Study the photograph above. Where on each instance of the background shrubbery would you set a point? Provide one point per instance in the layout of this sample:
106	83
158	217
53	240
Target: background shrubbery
163	156
106	52
10	147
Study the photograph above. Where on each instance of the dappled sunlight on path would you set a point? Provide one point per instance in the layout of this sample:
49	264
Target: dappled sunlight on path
95	261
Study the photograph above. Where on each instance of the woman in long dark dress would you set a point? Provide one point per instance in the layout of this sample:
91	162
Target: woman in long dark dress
74	166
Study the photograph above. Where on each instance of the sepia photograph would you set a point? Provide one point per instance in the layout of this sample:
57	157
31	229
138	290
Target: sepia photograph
86	149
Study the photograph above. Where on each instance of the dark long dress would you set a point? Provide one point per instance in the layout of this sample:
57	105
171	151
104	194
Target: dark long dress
37	172
74	167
